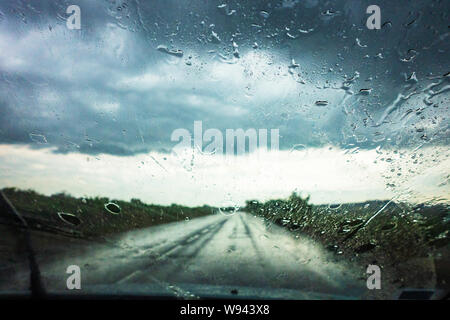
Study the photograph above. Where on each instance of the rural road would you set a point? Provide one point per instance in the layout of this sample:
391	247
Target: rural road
210	256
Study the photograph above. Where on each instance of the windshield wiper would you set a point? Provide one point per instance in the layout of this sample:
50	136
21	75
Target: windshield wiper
36	286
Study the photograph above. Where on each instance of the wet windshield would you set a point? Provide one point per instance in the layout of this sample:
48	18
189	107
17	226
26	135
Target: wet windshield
293	149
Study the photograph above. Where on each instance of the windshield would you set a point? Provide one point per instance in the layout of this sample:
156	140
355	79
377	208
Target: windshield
286	149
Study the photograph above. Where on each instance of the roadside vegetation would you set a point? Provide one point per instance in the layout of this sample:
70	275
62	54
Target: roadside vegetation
90	217
409	242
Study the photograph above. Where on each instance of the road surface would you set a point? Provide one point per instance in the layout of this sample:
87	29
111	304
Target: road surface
209	256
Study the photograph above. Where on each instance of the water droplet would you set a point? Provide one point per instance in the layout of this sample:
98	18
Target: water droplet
69	218
358	42
305	31
332	247
388	226
264	14
412	78
330	13
365	91
229	208
236	53
334	206
293	65
297	147
214	37
290	36
224	9
38	138
173	52
113	208
365	248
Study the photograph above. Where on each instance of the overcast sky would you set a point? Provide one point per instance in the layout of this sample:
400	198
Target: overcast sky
105	93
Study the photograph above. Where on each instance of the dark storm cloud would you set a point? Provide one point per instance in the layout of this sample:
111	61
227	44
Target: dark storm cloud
106	89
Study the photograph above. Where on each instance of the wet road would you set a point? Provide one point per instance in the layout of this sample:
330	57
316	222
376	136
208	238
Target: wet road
210	256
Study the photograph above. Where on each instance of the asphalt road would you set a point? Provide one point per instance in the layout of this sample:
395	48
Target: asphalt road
218	255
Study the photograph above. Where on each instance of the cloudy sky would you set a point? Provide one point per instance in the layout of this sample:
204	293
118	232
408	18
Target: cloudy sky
91	111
